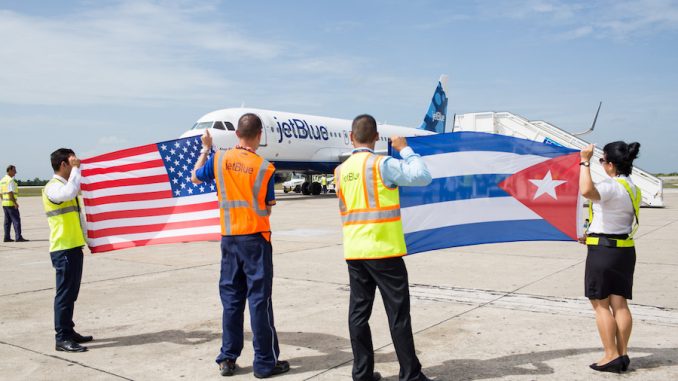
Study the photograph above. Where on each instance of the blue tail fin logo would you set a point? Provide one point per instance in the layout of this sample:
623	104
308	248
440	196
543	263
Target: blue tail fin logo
436	116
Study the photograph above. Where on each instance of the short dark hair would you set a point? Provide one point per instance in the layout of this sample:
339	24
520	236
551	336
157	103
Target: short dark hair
622	155
10	167
249	125
59	156
364	129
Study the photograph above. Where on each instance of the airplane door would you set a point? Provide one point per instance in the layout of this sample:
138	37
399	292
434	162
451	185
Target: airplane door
266	125
346	141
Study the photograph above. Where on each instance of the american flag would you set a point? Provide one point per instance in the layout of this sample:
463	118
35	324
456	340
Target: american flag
144	196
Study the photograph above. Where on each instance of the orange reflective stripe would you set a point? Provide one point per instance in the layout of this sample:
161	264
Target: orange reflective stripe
364	180
375	174
340	194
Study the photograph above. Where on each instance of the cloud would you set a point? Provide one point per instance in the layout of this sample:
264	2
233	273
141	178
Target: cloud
607	19
129	52
574	34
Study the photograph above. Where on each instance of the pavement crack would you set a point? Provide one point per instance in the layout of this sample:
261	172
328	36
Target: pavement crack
66	360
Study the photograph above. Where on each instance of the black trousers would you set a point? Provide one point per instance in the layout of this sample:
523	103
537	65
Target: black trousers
68	266
12	217
390	275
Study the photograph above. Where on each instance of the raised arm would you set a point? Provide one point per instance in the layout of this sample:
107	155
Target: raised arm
69	191
586	186
410	171
206	139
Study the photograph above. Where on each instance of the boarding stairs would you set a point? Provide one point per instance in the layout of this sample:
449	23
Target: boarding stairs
506	123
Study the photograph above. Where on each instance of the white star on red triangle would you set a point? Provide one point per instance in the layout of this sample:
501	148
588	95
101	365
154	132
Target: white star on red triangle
547	185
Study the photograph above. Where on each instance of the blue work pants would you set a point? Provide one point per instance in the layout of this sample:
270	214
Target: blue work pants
12	217
247	275
68	266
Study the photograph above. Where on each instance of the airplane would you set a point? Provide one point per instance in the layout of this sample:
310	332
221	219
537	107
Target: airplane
311	144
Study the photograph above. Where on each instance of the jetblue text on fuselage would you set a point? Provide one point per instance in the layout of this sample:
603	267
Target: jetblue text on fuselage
301	129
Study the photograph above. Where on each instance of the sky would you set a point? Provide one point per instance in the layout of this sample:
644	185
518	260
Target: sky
102	75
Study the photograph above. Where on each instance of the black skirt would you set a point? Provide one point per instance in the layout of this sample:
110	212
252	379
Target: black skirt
609	271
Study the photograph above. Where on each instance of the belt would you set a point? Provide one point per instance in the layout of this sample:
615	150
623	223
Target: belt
609	242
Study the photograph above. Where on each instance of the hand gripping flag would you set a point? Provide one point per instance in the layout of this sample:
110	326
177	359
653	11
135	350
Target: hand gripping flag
491	188
144	195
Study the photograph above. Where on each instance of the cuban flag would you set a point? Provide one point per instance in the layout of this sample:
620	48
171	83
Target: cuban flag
490	188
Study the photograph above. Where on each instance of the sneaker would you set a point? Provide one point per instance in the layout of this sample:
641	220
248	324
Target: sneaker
280	367
227	368
22	239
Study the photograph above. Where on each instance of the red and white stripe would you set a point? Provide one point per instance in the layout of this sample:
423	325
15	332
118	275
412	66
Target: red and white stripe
128	202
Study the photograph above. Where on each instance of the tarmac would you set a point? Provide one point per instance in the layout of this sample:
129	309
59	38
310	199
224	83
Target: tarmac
512	311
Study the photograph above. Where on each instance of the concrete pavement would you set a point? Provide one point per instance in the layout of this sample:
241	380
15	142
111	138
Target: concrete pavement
504	311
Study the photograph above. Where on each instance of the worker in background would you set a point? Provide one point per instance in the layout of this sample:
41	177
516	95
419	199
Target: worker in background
66	239
374	244
245	188
323	182
10	205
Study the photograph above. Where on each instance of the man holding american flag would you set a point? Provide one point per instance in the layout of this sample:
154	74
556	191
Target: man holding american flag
246	195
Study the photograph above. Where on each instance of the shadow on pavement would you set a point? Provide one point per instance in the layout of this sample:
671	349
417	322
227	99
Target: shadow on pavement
335	350
534	363
174	336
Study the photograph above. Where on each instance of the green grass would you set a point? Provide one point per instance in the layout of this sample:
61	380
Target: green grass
29	192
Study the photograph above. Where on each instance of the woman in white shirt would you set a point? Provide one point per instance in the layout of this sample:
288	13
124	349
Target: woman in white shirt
611	257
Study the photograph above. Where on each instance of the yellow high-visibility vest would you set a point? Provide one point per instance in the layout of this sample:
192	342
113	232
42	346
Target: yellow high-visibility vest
370	211
65	230
636	198
4	188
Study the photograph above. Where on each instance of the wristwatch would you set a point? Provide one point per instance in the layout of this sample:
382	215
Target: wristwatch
585	163
205	150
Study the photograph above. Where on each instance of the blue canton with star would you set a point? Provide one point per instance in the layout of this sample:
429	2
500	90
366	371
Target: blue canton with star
179	157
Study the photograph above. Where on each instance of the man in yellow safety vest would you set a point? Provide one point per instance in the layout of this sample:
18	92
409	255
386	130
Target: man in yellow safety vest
66	239
10	206
374	244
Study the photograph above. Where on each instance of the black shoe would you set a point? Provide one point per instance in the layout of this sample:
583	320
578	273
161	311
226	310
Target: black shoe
22	239
280	367
8	240
69	346
78	338
227	367
376	376
625	364
614	366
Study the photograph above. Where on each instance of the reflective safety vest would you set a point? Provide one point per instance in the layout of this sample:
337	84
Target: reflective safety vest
370	211
611	242
4	188
242	182
65	229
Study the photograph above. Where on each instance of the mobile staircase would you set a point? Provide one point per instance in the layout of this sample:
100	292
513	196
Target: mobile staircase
506	123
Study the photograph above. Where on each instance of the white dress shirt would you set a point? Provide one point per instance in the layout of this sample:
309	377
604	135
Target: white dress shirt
614	213
64	190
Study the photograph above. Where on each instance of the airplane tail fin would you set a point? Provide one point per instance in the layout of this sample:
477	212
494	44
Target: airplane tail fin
436	116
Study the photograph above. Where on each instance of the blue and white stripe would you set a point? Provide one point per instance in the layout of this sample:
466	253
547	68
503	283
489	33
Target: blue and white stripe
464	205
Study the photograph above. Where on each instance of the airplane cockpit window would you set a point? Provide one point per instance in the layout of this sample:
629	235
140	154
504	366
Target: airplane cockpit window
229	126
219	126
202	125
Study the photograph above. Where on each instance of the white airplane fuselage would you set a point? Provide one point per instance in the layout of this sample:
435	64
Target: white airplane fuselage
295	142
